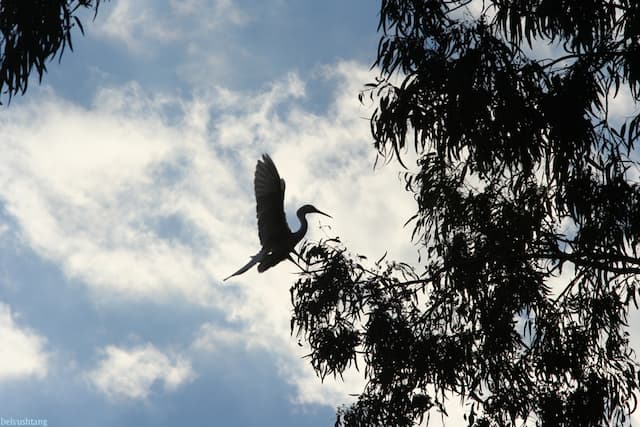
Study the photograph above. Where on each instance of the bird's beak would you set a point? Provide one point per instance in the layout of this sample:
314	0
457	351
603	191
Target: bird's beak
322	213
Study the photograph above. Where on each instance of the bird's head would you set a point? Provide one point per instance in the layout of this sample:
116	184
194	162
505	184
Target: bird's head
307	209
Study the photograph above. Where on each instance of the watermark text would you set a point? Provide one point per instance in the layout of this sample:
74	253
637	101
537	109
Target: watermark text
23	421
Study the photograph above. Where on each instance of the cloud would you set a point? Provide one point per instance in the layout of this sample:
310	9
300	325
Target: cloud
149	197
22	351
218	12
211	337
141	24
131	373
622	106
85	192
134	22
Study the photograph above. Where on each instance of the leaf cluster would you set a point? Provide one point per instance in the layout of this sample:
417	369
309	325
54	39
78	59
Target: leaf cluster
32	32
350	314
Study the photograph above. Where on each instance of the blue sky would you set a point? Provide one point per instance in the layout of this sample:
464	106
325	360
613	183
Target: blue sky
126	196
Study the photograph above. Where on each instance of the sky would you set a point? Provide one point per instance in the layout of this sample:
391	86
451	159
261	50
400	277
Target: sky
126	196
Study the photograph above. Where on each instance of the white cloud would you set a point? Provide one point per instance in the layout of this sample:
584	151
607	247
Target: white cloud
622	106
83	187
4	229
22	351
130	373
90	190
218	12
211	338
141	24
134	22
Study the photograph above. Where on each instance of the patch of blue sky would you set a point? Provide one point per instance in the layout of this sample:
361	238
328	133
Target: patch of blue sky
240	389
236	385
64	311
274	38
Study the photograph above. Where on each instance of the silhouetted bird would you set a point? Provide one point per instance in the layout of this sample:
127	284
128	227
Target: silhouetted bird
276	238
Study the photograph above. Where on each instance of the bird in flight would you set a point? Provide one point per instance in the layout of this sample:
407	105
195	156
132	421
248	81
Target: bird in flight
276	238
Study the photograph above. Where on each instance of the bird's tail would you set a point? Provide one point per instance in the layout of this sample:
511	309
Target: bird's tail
253	261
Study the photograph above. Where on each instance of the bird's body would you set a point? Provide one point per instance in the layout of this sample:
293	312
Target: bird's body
276	238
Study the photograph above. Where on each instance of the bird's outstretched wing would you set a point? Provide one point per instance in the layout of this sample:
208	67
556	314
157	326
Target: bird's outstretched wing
269	189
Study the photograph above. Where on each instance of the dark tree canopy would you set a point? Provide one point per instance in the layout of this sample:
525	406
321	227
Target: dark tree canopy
32	33
528	220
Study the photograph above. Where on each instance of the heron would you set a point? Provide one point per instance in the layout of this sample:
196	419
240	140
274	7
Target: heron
276	238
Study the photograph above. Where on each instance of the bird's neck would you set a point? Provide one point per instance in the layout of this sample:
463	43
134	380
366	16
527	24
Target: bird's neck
299	234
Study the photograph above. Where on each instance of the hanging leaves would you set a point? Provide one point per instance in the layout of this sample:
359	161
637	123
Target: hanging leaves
32	32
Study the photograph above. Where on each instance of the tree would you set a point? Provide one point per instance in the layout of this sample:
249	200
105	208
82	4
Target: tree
33	32
528	215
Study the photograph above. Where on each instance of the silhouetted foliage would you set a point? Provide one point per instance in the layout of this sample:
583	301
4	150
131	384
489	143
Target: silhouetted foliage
33	32
528	215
